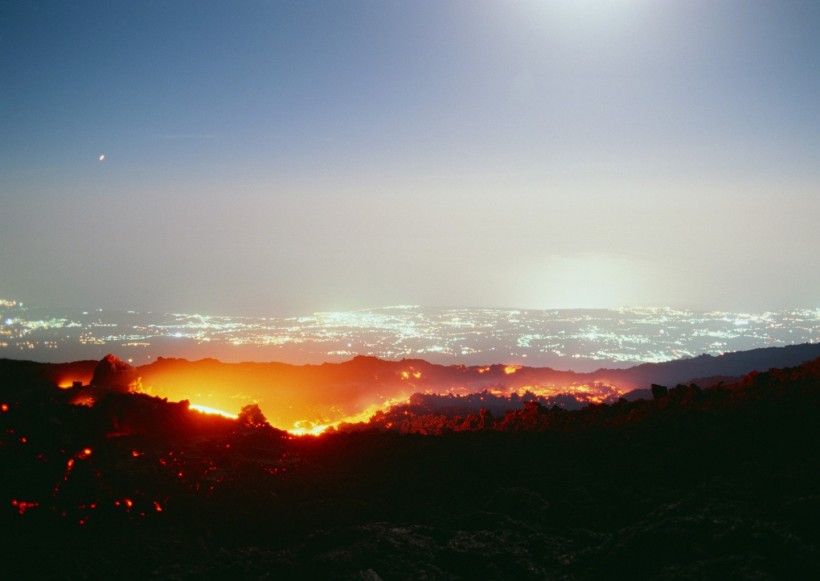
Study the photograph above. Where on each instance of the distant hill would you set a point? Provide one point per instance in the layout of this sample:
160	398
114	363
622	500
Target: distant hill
333	391
330	392
708	368
16	373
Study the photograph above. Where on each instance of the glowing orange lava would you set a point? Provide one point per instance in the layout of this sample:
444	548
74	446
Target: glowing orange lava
308	428
595	393
85	399
310	400
69	383
213	411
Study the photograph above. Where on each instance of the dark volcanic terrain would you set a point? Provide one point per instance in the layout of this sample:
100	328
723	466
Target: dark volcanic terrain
696	483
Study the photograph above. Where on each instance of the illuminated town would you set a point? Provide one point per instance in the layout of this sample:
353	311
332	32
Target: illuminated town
581	339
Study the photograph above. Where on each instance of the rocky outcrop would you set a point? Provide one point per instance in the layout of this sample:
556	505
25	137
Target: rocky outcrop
114	374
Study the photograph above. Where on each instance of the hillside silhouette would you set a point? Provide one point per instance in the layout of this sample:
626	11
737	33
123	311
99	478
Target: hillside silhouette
331	392
696	483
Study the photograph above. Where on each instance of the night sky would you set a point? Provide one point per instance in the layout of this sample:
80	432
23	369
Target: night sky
277	157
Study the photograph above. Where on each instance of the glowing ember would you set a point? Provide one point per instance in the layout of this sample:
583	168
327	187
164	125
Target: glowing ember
125	503
22	506
4	408
594	393
510	369
83	399
213	411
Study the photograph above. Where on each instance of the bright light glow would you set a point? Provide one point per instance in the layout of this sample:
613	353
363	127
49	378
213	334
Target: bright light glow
213	411
102	157
68	383
308	428
590	14
591	280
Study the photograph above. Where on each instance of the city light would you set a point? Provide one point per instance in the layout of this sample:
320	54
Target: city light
577	338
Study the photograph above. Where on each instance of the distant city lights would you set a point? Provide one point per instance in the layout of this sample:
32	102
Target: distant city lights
591	337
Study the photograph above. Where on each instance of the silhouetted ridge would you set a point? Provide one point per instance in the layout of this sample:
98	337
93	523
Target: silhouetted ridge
431	414
706	366
16	373
340	390
291	395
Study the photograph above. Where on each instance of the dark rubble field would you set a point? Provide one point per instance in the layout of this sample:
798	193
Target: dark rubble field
719	483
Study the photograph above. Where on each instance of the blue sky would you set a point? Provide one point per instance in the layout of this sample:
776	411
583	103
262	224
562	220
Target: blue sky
274	157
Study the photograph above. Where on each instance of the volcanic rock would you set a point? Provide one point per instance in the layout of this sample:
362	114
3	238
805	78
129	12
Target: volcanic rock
116	375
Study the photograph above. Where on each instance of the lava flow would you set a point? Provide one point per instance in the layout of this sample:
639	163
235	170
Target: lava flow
212	411
311	399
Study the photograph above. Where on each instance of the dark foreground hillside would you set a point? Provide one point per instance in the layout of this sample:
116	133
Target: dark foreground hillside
697	484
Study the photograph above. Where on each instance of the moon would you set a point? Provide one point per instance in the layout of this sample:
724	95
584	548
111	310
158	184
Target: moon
102	157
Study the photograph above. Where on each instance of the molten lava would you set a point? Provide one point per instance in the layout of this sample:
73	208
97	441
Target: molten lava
310	399
308	428
209	410
85	399
69	383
